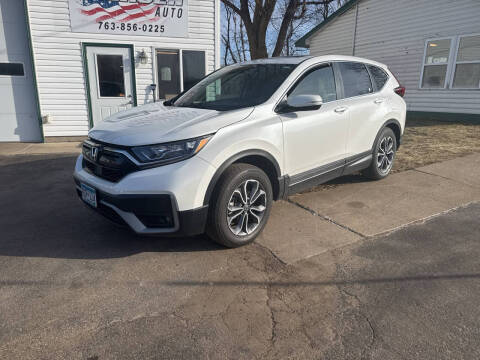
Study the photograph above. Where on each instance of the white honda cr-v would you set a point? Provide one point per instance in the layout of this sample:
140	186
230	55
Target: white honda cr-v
215	158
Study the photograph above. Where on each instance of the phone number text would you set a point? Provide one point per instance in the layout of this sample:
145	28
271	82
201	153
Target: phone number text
113	26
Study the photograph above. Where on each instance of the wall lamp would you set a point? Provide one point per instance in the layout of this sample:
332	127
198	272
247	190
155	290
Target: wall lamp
142	56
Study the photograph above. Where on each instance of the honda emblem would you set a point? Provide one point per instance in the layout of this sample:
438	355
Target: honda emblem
94	153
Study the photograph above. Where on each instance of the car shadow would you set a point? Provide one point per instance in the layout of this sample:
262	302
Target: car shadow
42	216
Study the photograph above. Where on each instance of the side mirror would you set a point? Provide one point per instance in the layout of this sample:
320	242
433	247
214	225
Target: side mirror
305	102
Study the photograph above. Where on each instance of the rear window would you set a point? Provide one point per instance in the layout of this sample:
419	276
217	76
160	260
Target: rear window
356	80
379	76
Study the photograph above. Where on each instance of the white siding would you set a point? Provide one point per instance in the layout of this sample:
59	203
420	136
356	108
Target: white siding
59	63
394	32
336	37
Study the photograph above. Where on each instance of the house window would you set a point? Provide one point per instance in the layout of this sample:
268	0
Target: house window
193	67
467	67
178	70
435	65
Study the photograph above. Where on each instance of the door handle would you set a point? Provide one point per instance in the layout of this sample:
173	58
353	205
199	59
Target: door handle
379	101
341	110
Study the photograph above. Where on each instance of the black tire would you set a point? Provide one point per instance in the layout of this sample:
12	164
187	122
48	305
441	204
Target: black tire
382	146
227	196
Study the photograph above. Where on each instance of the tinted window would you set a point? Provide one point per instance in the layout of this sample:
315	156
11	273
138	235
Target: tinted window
379	76
236	86
356	80
168	74
11	69
193	67
318	82
110	75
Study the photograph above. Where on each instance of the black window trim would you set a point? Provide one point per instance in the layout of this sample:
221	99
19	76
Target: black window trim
14	62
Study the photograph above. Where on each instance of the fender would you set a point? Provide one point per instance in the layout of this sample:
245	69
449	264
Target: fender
385	124
236	157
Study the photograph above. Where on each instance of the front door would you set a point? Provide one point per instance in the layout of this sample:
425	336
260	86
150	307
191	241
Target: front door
111	80
317	138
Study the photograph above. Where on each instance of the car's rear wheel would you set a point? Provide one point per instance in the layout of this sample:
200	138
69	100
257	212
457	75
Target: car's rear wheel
240	206
383	155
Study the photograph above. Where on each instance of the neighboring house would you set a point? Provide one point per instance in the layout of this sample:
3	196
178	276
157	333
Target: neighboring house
67	64
433	47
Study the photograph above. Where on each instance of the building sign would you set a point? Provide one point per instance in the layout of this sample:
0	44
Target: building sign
130	17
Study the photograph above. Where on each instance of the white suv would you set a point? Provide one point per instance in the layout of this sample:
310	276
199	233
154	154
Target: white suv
215	158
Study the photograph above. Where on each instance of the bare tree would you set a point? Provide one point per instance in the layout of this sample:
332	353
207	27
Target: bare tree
258	16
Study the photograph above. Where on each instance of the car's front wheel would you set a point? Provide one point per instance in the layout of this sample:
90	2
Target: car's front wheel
240	205
383	155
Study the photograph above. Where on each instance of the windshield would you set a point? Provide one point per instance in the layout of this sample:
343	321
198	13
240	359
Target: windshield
236	87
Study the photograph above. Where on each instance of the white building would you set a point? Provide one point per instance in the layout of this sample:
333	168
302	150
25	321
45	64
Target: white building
433	46
67	64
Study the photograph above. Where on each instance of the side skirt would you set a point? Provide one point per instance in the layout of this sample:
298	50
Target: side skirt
322	174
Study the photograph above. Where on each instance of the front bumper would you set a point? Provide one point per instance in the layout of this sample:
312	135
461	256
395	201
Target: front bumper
166	200
150	214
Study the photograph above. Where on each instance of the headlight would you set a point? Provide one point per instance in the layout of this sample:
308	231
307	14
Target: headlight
170	152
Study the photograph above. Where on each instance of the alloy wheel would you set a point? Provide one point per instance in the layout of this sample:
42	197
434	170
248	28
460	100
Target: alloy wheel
385	154
246	208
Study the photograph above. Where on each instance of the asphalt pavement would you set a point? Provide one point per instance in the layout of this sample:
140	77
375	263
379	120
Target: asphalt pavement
334	276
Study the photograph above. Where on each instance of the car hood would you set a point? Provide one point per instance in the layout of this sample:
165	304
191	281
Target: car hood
155	123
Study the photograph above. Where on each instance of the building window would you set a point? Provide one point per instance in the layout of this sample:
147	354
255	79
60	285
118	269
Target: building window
11	69
452	63
178	70
467	67
193	63
111	81
435	65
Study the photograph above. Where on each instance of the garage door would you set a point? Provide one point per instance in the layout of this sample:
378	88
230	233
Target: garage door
18	111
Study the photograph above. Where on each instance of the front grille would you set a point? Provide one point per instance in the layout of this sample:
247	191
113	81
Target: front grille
104	162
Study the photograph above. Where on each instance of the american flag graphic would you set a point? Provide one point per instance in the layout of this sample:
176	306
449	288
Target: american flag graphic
105	10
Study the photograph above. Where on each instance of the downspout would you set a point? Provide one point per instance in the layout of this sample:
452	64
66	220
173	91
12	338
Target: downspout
355	30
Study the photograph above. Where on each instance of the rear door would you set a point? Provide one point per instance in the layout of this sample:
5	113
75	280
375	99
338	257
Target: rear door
366	107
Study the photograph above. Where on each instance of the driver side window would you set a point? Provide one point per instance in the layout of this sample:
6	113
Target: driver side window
320	81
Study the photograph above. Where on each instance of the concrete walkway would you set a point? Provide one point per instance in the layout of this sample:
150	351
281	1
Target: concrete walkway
324	220
10	149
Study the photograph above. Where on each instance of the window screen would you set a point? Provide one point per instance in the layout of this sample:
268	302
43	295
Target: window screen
356	80
111	81
193	67
467	69
11	69
436	59
318	82
379	76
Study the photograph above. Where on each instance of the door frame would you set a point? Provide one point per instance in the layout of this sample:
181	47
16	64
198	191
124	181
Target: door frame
85	45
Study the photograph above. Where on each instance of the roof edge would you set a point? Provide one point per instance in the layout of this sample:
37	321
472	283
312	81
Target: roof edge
341	10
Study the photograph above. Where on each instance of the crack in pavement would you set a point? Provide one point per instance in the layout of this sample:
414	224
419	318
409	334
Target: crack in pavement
370	346
327	218
445	178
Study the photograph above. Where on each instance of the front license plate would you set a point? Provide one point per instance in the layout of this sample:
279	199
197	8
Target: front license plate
89	195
